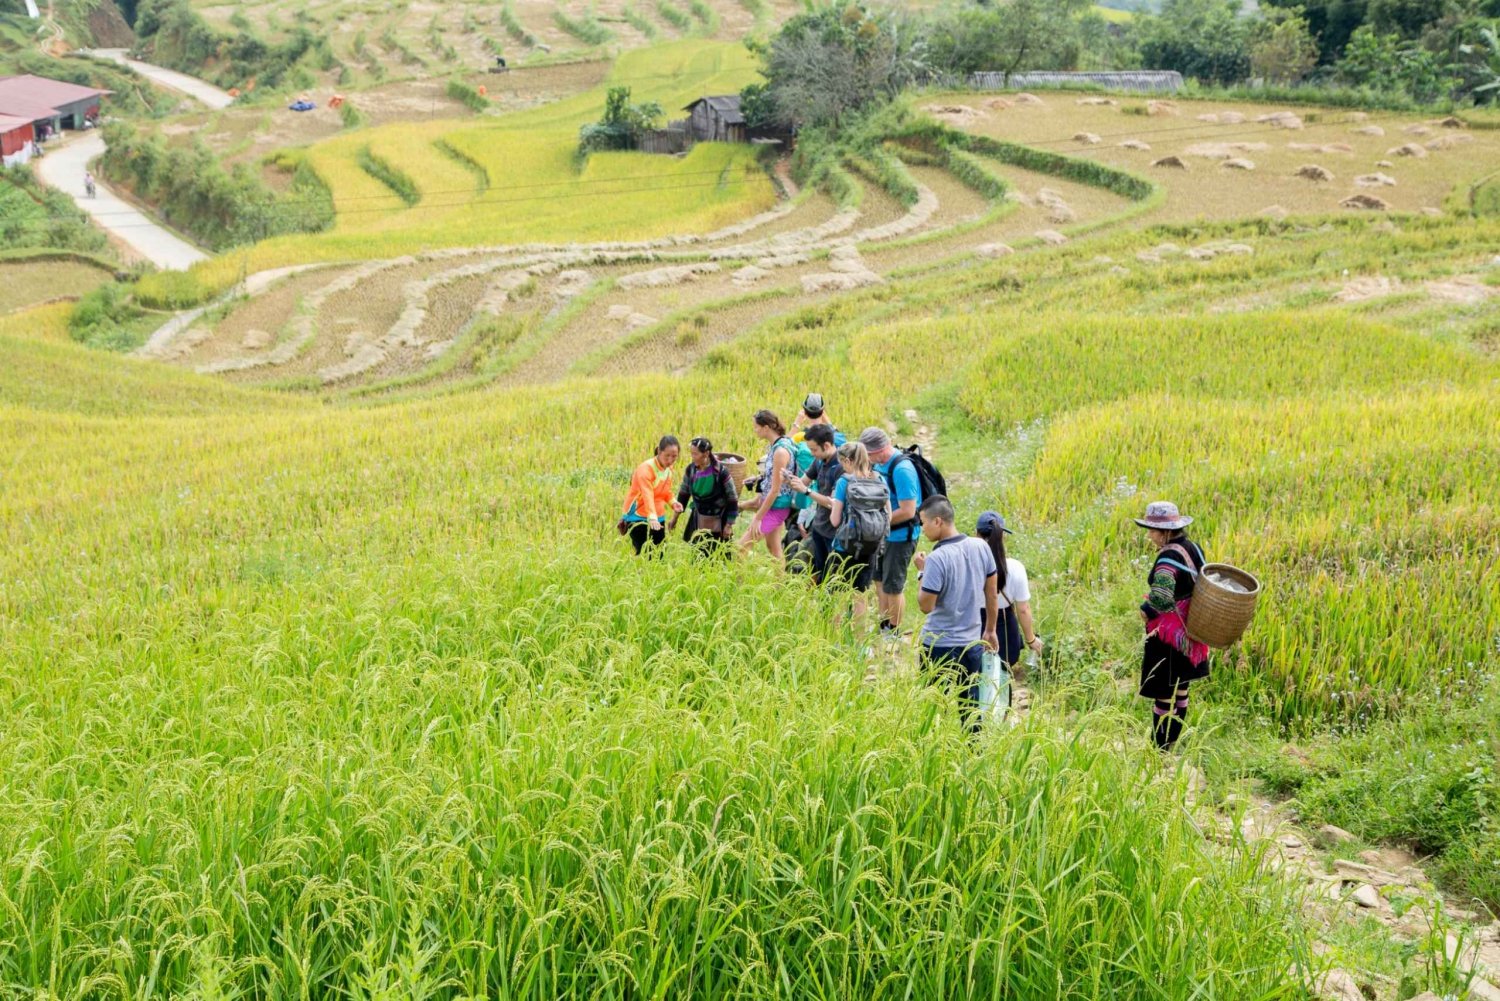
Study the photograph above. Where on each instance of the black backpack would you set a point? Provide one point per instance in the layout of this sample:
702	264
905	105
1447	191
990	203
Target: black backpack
930	482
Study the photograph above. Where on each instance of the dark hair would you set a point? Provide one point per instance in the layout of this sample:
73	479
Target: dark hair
996	540
939	507
766	419
667	441
820	433
702	444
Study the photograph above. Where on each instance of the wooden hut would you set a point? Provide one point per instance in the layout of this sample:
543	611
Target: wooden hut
717	119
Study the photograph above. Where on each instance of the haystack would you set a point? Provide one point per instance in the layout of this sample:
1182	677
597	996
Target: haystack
1238	163
1451	123
1274	212
997	104
1313	172
1410	149
1281	120
1417	130
1375	181
1051	237
1175	162
1087	138
1135	144
1160	109
1449	141
1365	202
1030	99
994	250
1102	102
1369	130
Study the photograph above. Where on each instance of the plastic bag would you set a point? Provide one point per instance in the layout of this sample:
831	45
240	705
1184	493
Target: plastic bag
994	688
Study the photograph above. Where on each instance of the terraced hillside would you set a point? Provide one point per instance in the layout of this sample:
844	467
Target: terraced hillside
543	311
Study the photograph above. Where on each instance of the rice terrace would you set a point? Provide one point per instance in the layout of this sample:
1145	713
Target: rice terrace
457	538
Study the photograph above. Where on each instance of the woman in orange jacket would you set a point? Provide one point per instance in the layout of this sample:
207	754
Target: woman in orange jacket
651	496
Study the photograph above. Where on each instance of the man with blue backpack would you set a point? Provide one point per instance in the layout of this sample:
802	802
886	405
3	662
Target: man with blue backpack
910	478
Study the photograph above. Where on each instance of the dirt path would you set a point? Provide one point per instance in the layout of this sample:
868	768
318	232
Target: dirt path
204	93
1386	886
63	168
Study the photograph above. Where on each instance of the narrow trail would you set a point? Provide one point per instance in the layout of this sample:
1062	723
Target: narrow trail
63	168
201	91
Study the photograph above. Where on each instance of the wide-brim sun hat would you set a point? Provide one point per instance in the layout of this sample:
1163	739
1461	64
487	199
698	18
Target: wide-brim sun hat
1165	516
989	521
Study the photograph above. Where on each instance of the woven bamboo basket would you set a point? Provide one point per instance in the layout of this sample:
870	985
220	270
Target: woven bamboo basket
737	466
1219	615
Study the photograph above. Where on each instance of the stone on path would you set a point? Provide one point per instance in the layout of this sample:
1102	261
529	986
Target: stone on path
1367	896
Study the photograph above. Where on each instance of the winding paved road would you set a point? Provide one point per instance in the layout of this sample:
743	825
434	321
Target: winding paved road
67	161
63	168
206	93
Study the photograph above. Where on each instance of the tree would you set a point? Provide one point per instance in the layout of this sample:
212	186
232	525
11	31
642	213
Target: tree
757	105
1040	34
1284	51
1387	63
622	124
1205	39
1482	70
827	63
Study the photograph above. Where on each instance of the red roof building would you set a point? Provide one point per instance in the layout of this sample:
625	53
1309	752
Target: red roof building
53	102
16	135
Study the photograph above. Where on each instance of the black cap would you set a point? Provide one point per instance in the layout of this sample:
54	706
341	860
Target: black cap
813	405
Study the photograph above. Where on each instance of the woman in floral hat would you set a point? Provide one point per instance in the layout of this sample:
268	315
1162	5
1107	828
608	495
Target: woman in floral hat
1172	659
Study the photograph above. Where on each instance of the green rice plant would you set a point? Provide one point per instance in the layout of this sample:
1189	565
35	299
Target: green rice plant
350	115
467	94
400	184
640	22
514	27
705	15
586	29
976	174
887	171
674	15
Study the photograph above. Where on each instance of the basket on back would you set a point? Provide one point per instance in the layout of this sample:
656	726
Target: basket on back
1223	605
737	467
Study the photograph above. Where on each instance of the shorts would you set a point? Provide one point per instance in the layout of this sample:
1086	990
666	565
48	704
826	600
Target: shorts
894	563
856	569
773	520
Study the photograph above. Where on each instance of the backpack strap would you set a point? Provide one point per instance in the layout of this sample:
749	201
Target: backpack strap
890	484
1187	560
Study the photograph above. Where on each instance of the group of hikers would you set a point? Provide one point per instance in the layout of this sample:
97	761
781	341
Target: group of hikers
850	513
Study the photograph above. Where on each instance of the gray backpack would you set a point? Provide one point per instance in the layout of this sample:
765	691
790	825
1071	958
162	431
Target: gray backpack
867	511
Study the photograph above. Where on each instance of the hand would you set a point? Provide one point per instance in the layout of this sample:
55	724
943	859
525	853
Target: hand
992	640
676	509
1036	645
798	487
654	523
921	561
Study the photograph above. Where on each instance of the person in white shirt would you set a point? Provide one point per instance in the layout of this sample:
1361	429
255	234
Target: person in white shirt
1017	629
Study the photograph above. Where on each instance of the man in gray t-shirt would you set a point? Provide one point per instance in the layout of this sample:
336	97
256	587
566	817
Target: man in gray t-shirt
958	585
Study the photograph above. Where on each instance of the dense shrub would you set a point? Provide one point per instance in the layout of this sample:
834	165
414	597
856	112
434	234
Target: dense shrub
218	207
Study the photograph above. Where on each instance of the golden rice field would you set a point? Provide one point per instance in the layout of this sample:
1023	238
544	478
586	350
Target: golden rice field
530	190
364	696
